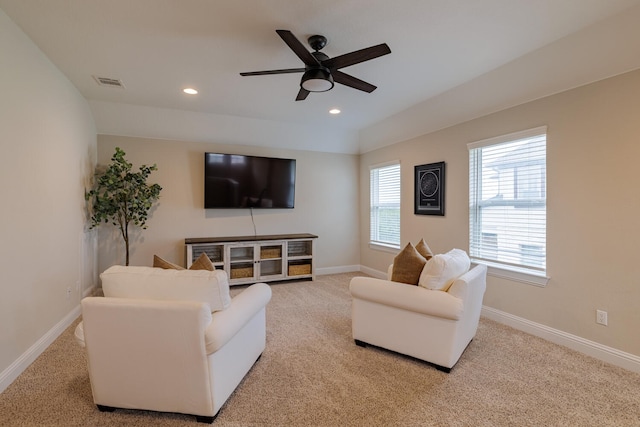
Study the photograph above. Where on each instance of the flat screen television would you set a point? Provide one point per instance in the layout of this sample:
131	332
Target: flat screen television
238	181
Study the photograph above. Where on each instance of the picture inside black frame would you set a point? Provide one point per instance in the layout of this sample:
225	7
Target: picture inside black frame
429	189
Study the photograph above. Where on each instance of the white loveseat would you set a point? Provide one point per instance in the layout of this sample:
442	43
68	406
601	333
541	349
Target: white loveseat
432	325
170	341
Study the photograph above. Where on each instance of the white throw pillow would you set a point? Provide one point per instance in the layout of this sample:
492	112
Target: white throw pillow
211	287
441	270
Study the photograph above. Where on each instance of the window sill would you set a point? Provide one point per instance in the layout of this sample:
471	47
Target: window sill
522	275
384	248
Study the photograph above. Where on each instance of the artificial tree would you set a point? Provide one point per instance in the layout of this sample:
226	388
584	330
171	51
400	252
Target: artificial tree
122	197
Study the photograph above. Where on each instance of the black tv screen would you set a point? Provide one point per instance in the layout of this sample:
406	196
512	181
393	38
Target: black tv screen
238	181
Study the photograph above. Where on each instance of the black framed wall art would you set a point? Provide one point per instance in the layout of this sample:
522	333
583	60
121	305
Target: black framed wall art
429	189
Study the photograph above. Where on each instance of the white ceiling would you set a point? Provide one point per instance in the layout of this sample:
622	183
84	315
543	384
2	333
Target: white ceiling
439	47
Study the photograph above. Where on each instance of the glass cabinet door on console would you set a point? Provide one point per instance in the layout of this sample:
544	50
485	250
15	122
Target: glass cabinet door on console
271	262
300	258
215	252
249	262
242	262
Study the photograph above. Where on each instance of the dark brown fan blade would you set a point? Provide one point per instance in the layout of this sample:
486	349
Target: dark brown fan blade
297	47
357	56
347	80
284	71
302	94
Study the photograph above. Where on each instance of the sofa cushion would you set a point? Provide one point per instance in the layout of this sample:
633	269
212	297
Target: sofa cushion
424	250
408	265
211	287
441	270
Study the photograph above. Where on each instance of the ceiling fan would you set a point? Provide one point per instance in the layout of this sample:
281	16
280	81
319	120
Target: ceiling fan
320	71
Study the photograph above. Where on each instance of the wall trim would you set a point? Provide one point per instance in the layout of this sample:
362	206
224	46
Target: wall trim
28	357
336	270
371	272
14	370
599	351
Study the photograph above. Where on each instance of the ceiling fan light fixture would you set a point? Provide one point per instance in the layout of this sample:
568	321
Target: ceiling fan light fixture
317	80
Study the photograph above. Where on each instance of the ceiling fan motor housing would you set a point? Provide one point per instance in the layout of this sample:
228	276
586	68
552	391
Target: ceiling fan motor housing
319	56
317	42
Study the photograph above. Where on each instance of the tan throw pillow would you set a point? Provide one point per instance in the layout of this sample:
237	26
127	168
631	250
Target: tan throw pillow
202	263
161	263
407	266
424	250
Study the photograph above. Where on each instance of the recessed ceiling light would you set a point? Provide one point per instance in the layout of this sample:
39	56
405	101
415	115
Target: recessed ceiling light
190	91
334	111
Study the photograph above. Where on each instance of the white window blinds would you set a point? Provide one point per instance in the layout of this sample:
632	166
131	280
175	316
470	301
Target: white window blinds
507	200
385	205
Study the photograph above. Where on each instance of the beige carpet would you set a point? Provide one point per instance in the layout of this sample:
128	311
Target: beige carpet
312	374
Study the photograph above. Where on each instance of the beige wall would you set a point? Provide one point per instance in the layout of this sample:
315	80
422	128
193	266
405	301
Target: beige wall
49	150
48	143
325	202
593	147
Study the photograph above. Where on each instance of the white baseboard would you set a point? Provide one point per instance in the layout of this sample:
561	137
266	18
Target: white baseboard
90	292
374	273
19	365
28	357
337	270
601	352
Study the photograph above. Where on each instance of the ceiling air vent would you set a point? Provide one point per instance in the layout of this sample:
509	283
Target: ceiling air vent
109	82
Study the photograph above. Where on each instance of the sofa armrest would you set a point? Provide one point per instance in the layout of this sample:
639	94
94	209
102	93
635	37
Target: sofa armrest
407	297
475	277
228	322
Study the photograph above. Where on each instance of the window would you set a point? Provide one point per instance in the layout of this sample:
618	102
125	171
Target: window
385	204
508	203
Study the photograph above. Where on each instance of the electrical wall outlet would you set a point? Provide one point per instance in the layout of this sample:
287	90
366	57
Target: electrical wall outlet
69	292
601	317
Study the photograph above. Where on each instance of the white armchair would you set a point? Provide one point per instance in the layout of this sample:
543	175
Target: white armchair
153	342
431	325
